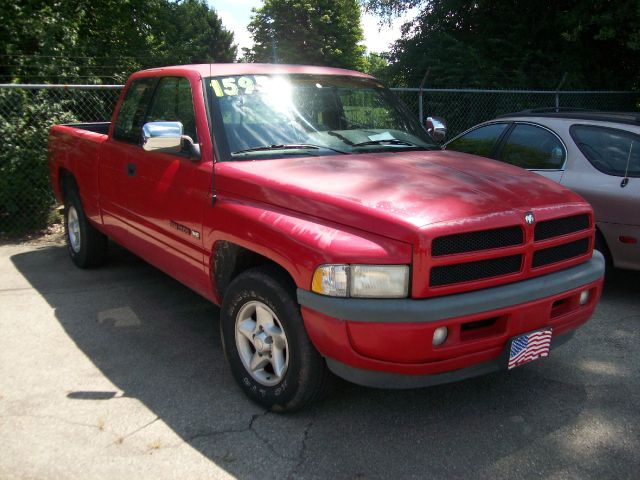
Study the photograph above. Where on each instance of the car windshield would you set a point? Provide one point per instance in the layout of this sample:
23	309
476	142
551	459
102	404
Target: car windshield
267	116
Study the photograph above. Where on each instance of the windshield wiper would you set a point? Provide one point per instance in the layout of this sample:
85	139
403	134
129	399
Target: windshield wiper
341	137
288	146
389	141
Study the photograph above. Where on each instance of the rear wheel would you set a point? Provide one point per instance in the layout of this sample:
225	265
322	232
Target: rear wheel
266	344
87	246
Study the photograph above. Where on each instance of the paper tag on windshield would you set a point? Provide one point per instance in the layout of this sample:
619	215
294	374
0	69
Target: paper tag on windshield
381	136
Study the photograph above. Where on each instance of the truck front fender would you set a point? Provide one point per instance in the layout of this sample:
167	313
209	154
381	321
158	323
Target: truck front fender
296	242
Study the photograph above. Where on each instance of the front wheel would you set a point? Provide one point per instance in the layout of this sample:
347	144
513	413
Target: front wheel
266	344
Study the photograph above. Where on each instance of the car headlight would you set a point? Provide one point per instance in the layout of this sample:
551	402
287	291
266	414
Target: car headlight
364	281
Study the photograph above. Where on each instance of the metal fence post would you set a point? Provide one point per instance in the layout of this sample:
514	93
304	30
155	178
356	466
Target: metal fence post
421	96
564	77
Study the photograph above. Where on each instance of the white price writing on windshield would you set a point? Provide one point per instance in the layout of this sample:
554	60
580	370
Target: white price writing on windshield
245	85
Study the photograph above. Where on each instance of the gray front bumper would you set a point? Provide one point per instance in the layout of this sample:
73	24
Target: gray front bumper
450	306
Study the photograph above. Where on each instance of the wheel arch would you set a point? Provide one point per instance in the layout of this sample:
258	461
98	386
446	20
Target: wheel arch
601	241
66	182
230	260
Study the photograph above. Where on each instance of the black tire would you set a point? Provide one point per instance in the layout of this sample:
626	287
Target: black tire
306	378
87	246
601	246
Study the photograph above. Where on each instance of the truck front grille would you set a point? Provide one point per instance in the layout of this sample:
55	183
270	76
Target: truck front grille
552	243
475	241
561	226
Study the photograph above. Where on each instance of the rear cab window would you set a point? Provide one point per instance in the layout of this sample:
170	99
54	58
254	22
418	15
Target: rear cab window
480	141
612	151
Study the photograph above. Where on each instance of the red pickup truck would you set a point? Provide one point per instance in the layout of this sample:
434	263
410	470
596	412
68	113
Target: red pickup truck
316	211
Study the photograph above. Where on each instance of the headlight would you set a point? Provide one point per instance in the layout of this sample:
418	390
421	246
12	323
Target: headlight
366	281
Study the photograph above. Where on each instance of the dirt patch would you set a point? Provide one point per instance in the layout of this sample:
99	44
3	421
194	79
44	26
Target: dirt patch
52	235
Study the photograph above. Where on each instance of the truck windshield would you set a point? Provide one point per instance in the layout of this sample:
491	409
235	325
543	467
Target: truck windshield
267	116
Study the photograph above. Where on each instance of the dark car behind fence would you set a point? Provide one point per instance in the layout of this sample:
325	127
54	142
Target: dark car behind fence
27	111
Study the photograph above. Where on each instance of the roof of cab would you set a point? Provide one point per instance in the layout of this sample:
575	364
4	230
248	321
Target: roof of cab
219	69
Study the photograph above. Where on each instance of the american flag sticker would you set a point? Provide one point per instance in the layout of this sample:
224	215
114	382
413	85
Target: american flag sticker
529	347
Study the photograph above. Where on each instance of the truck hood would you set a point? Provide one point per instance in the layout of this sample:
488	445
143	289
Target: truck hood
392	194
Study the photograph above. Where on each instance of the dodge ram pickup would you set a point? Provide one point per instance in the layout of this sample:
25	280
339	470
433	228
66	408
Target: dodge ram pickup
316	211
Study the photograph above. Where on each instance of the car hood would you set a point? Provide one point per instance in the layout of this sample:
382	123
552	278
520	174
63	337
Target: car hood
392	194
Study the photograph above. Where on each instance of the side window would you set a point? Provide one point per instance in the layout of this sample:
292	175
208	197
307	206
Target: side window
173	103
128	127
533	147
609	149
480	141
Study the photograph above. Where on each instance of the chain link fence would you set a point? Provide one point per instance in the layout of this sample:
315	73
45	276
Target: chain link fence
462	109
27	112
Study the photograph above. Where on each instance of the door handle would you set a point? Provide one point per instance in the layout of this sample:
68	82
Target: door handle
131	169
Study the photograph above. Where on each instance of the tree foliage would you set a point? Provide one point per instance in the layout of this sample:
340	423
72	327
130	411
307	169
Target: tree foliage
193	33
317	32
376	65
55	40
25	193
529	43
81	41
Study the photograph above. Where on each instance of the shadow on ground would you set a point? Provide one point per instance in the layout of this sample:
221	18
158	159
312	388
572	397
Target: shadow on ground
571	415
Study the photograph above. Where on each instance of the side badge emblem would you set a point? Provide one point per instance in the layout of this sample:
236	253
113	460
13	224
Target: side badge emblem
529	218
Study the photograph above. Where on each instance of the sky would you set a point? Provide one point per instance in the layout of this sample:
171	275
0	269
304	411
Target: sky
235	15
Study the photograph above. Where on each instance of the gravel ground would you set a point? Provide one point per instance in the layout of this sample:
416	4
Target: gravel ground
119	372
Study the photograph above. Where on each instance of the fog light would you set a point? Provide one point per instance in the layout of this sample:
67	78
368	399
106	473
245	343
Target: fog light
584	297
440	335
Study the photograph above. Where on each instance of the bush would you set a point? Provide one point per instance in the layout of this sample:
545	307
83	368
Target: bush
26	198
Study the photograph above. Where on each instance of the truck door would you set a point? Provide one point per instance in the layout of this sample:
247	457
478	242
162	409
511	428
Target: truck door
114	171
169	191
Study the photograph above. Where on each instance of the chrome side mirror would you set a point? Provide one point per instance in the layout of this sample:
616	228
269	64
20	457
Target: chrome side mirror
437	128
164	136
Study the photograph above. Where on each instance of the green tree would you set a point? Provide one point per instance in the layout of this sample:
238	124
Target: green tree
192	32
522	44
25	193
376	65
55	41
317	32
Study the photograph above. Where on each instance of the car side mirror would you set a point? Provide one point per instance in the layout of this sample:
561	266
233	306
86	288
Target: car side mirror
164	136
168	137
437	128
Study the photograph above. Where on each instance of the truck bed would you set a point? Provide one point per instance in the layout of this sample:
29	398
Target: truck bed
76	148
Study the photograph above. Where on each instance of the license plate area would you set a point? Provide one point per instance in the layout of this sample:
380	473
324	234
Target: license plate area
528	347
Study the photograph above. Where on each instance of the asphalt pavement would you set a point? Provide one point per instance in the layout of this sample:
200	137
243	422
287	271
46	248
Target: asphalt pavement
119	373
